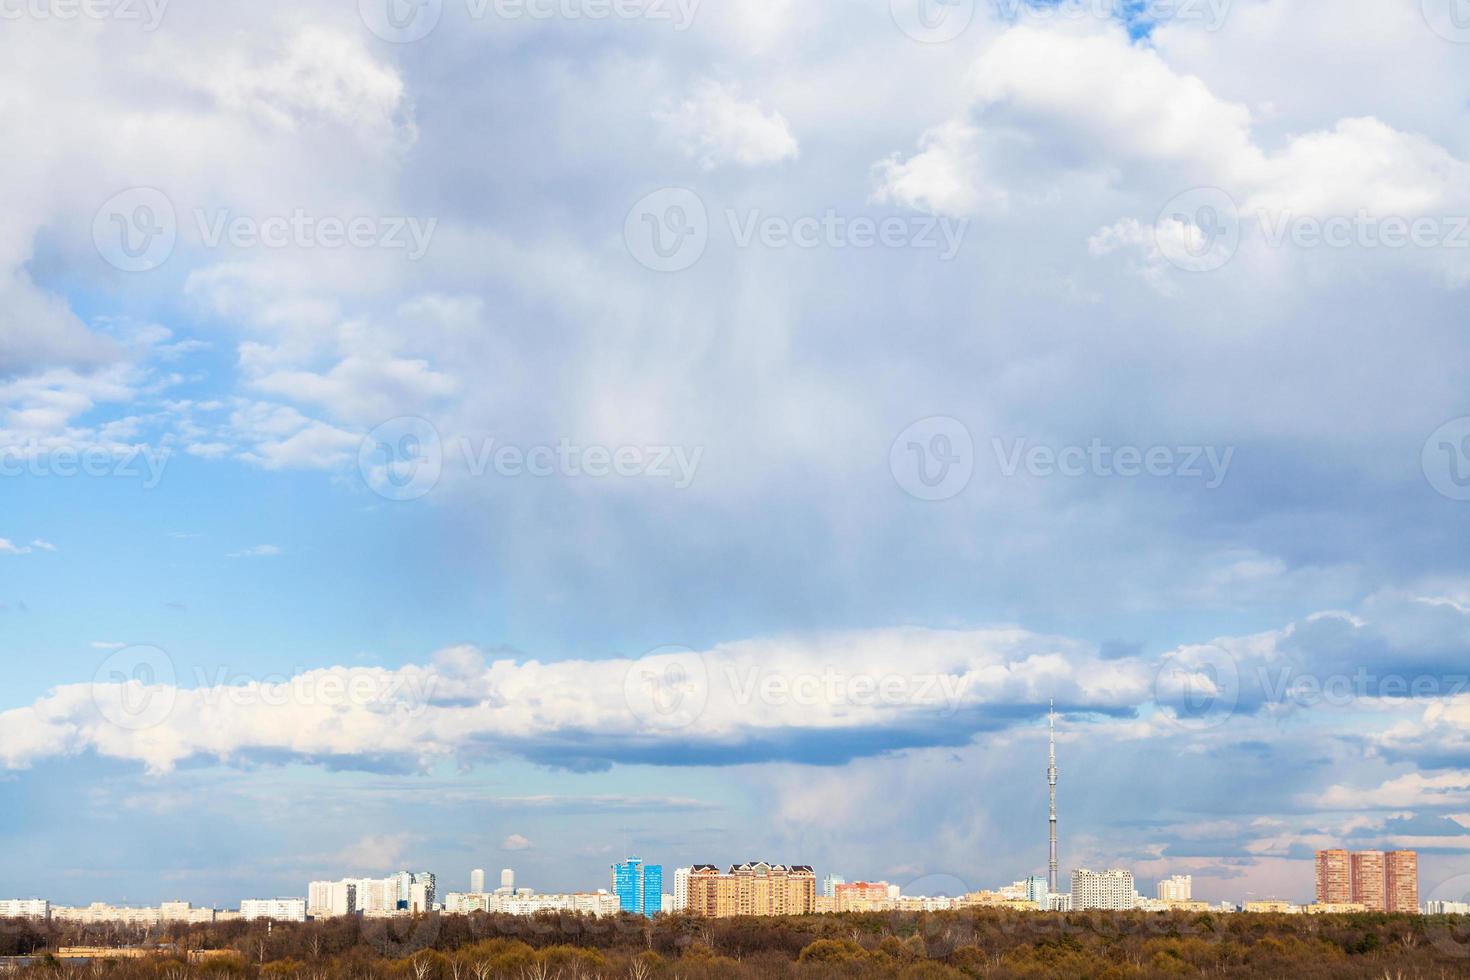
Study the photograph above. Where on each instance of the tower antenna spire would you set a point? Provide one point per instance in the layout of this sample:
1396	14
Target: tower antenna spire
1051	783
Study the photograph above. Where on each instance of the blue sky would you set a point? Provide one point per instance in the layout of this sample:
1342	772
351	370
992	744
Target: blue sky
373	607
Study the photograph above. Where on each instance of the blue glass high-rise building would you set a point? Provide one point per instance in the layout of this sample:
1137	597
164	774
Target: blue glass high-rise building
639	886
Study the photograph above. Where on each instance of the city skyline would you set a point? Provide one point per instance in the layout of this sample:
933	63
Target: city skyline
1340	878
475	434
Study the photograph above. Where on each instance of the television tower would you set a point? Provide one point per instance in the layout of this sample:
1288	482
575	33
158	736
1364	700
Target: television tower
1051	782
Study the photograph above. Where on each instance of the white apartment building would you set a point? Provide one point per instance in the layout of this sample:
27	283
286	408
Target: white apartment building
280	909
99	912
1177	888
25	908
1111	889
507	880
587	903
527	902
681	889
184	912
1447	908
376	894
477	881
330	899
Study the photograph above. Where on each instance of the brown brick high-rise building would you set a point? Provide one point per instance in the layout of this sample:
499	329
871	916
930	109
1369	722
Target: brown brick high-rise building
1378	881
1402	881
1334	878
1370	886
756	888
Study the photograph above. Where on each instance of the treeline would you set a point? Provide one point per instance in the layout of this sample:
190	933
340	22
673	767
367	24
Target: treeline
928	946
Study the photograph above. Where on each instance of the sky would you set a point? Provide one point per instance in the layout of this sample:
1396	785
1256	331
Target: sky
477	434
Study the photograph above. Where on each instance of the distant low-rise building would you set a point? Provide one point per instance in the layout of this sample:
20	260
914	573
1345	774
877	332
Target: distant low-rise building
101	912
280	909
1447	908
1334	908
25	908
1273	906
184	912
861	896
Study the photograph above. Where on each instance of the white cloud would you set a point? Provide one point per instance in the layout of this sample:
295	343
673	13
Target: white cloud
716	126
375	852
1410	791
8	547
257	551
927	681
320	75
1123	118
515	842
